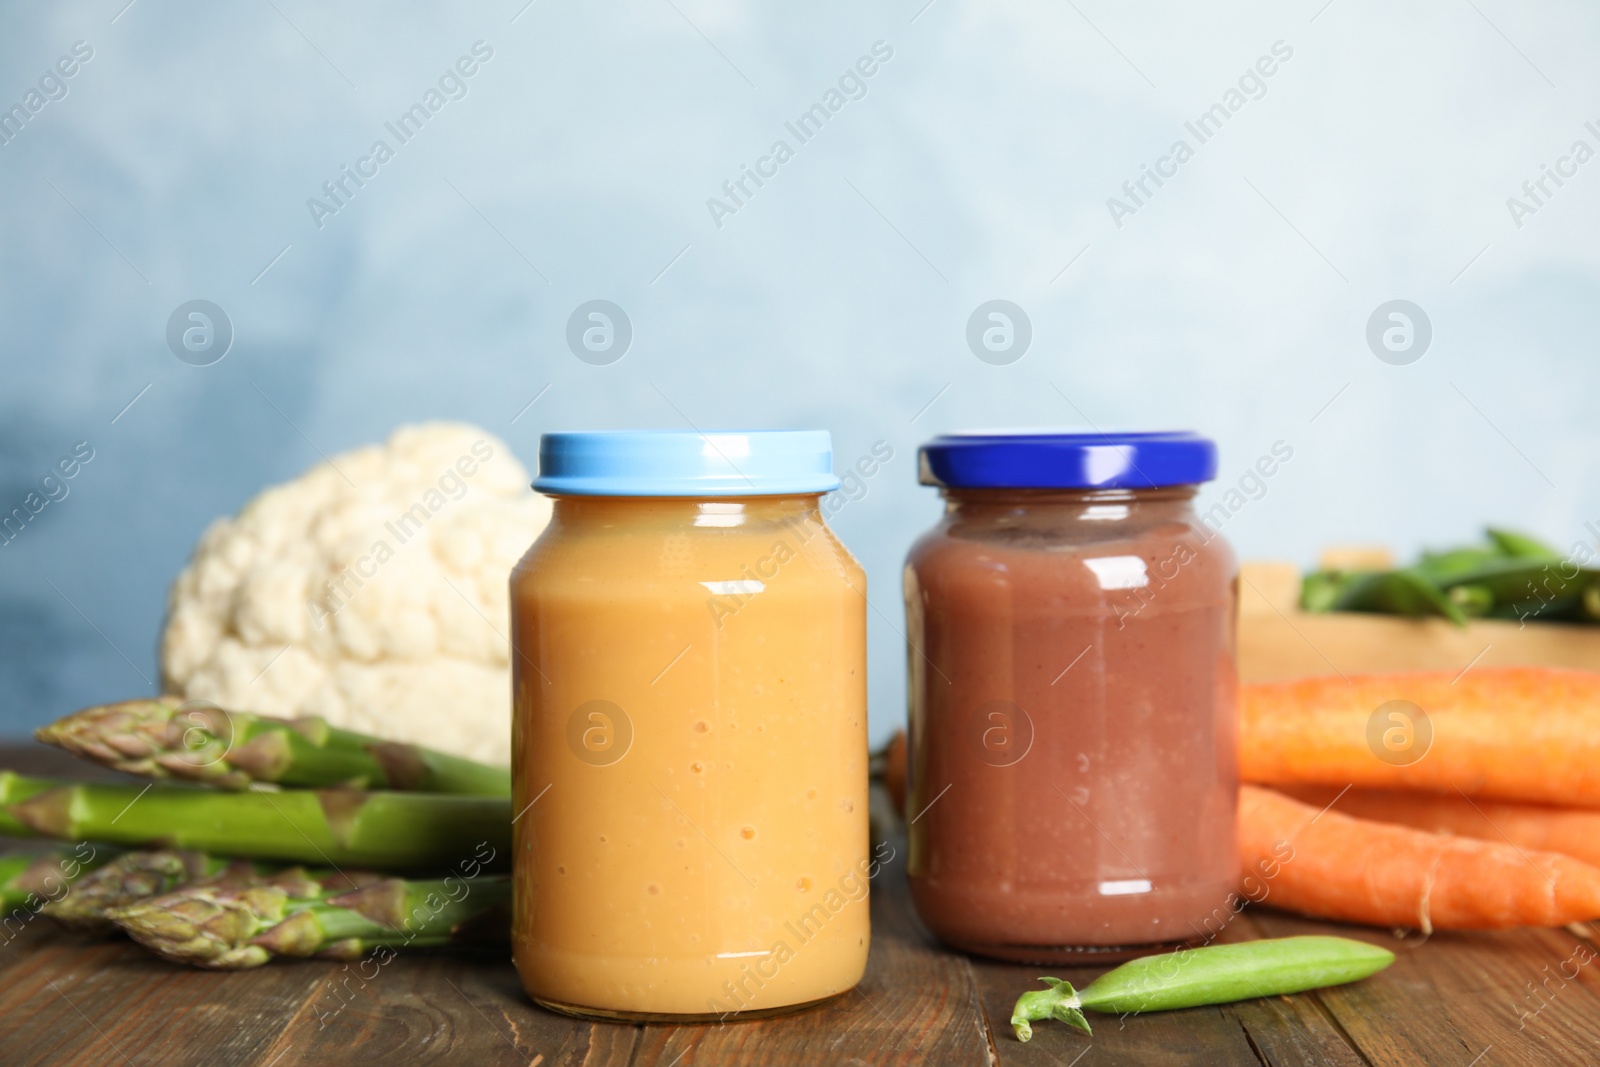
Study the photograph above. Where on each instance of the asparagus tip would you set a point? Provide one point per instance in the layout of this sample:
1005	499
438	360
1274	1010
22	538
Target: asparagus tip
205	926
126	879
159	737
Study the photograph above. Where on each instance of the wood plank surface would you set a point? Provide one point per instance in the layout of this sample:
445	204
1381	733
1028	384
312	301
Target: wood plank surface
1460	997
1465	1000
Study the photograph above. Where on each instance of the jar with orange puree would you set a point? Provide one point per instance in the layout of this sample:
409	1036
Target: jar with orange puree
689	733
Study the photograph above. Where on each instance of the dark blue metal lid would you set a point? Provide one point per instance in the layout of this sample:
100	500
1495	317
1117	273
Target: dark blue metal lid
1045	460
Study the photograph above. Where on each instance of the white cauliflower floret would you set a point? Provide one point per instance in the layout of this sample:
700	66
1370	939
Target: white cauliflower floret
379	602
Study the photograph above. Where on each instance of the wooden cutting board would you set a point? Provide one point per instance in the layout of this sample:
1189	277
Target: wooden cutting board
1278	640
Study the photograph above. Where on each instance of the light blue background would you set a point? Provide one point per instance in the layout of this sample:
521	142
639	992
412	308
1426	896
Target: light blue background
1376	166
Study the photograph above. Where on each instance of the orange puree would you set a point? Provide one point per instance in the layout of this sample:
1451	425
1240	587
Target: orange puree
690	743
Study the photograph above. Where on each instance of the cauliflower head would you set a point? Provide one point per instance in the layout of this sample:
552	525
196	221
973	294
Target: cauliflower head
371	590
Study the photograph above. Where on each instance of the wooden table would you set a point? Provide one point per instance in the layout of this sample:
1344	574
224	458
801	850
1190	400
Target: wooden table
1450	999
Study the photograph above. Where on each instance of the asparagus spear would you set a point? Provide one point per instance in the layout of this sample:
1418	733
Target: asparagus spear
12	894
135	875
233	927
168	738
15	789
34	879
329	826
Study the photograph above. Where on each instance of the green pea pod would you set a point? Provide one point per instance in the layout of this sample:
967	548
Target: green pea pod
1514	577
1517	579
1527	589
1320	590
1521	546
1474	600
1456	564
1215	974
1557	609
1401	592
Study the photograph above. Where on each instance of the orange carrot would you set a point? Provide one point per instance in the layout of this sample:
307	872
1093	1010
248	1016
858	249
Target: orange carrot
894	772
1332	866
1572	832
1511	733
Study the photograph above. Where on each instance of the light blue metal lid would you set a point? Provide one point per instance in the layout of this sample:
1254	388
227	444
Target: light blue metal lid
685	463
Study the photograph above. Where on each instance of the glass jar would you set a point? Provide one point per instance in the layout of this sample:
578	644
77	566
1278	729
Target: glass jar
689	731
1072	771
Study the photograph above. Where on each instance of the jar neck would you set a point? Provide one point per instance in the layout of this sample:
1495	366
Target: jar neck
1174	502
687	511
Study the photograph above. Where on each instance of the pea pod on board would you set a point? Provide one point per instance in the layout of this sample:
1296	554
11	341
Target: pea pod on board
1402	592
1511	543
1474	600
1556	609
1215	974
1456	564
1320	590
1487	568
1513	576
1512	580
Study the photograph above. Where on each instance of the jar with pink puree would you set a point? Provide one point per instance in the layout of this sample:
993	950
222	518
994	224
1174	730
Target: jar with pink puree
1071	779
